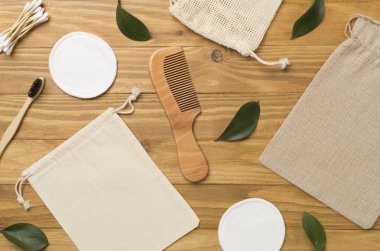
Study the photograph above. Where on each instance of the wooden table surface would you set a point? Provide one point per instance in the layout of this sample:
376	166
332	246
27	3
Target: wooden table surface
224	81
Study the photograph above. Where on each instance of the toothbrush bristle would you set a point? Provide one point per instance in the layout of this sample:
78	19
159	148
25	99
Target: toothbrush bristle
35	88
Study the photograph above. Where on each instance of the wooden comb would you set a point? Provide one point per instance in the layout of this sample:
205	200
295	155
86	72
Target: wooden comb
171	78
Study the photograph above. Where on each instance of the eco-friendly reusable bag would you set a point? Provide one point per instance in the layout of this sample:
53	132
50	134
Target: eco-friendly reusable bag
106	192
329	145
239	25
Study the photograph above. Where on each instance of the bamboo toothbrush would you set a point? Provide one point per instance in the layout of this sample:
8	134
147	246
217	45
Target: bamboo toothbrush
171	78
33	93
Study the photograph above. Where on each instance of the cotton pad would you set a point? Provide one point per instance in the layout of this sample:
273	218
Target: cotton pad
252	224
83	65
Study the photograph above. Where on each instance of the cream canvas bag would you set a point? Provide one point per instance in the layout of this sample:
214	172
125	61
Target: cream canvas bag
106	192
239	25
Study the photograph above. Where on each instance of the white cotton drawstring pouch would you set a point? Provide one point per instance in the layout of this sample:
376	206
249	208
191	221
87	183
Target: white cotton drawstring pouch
106	192
239	25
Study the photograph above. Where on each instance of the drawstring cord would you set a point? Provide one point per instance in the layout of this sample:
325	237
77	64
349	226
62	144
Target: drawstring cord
348	30
282	63
18	189
129	102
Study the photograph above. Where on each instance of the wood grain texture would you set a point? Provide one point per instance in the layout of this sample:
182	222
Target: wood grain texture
98	16
214	69
171	78
207	239
223	80
208	201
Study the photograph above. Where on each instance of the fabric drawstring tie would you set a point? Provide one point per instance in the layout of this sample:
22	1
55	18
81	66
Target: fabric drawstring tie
129	102
25	176
348	30
18	189
283	63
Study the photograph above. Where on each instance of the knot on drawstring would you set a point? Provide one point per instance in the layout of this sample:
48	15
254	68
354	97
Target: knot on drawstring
18	189
25	203
284	63
129	102
245	51
135	94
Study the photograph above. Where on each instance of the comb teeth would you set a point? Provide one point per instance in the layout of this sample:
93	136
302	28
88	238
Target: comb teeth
178	77
35	88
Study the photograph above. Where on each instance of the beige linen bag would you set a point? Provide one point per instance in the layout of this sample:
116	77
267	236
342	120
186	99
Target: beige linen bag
239	25
329	145
106	192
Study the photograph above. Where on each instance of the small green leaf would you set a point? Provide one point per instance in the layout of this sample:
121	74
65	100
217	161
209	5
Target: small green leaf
243	124
310	20
130	26
314	231
26	236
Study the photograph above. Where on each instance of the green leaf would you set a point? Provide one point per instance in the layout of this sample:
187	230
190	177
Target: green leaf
130	26
26	236
243	124
314	231
310	20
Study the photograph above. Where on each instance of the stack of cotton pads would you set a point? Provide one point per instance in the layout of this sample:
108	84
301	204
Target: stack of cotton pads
32	15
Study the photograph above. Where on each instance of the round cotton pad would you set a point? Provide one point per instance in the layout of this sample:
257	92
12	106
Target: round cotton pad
83	65
252	224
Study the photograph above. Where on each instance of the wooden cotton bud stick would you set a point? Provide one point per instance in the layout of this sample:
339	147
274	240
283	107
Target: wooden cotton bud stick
37	19
35	10
36	15
29	11
31	16
7	36
26	8
40	20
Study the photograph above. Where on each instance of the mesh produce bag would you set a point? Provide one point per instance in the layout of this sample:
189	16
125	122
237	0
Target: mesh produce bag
239	25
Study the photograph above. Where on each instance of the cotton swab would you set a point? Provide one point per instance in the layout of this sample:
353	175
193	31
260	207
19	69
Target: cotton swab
31	16
37	20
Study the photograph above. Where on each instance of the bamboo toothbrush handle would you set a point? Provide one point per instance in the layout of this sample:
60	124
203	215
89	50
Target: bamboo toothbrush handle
13	127
193	163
